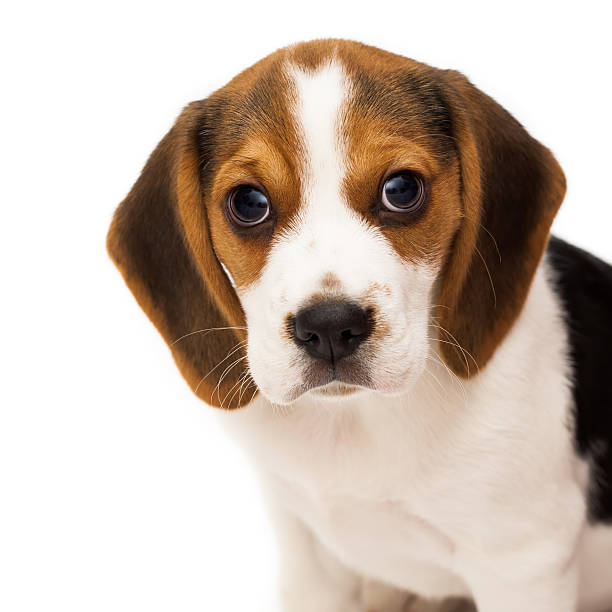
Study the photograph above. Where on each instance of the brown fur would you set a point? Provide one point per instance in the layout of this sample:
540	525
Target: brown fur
162	234
172	271
243	251
512	187
492	192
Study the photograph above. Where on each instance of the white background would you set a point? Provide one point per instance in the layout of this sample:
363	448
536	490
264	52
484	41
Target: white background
117	489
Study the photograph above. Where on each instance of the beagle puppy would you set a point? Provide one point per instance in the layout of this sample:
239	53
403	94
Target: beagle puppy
348	252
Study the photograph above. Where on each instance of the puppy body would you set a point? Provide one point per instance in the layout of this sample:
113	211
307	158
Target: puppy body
458	448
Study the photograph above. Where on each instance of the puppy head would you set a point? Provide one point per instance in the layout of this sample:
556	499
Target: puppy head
313	225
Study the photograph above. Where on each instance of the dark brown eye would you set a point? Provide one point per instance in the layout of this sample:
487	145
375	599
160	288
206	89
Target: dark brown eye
248	205
403	192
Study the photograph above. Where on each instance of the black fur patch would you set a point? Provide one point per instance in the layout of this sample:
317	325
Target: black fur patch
585	285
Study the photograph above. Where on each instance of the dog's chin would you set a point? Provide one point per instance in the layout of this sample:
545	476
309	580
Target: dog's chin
336	390
343	384
318	380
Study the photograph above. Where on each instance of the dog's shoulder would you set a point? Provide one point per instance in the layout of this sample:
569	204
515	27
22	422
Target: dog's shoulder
584	284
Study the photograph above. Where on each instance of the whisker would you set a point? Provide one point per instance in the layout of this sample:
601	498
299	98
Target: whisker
440	397
435	378
254	392
494	241
232	351
234	386
458	345
249	381
205	332
452	375
223	375
489	274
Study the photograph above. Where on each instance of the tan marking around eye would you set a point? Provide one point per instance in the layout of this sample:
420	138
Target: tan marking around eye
266	159
372	154
263	164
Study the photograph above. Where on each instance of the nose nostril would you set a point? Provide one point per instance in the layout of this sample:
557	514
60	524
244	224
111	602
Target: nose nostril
349	334
304	335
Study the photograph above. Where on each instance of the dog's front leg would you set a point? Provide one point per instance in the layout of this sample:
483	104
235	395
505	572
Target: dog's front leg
498	587
311	578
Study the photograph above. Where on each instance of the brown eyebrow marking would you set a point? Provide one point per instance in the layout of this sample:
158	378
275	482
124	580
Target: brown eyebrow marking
243	160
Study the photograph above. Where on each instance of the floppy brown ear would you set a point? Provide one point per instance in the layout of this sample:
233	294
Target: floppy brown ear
160	241
512	187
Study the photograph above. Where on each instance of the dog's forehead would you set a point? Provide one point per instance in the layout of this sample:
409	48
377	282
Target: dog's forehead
318	106
381	87
318	126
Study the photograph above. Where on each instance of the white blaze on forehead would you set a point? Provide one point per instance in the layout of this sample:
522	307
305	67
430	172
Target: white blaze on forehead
327	235
320	96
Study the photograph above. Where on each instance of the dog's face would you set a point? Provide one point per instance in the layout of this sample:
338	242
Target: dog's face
333	217
350	214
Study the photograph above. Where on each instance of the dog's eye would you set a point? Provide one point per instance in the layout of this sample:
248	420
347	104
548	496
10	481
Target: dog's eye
403	192
248	205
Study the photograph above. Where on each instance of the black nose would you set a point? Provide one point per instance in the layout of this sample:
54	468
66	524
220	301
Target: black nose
331	330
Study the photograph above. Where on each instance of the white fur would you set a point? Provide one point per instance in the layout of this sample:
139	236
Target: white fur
446	487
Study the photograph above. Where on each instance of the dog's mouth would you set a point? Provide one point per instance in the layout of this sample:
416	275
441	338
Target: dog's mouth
344	378
335	389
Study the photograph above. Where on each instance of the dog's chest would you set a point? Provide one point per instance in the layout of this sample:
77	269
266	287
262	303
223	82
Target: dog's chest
376	536
367	496
354	521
